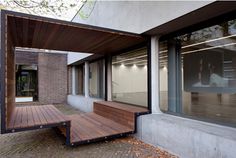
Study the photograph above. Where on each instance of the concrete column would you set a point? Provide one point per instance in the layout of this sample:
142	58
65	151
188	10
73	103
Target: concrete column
73	81
86	79
155	75
109	79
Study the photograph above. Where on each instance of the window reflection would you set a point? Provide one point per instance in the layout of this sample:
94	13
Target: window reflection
207	72
97	79
129	77
80	69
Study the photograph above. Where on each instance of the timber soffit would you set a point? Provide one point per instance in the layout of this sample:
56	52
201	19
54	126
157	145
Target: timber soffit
45	33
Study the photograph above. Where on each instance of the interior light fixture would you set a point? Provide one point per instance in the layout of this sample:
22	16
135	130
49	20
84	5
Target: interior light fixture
129	59
164	68
136	62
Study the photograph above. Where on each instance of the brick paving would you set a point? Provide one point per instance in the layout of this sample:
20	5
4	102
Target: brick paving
46	143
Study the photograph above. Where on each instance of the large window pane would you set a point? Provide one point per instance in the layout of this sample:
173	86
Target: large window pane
80	69
163	72
96	79
129	77
204	73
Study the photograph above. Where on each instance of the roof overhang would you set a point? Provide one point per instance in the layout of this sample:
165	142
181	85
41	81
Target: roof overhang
201	16
45	33
28	31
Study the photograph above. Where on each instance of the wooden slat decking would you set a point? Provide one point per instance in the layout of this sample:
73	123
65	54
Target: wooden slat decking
88	127
108	120
30	117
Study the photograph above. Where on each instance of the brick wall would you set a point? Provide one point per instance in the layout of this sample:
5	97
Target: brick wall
26	58
52	75
52	81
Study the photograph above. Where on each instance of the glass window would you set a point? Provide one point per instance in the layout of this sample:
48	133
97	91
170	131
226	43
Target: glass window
80	70
163	76
27	81
97	79
198	73
129	77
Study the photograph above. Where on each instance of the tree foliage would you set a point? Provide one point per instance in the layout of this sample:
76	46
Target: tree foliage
51	8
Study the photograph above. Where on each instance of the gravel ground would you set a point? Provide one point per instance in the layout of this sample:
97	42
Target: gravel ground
46	143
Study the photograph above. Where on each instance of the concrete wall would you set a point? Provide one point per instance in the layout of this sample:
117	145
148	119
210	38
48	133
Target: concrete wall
187	138
135	16
83	103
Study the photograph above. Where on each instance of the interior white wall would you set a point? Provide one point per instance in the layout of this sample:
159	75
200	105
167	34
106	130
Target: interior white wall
129	79
135	16
163	79
93	80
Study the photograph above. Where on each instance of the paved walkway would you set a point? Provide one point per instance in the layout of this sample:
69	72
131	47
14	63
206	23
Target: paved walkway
46	143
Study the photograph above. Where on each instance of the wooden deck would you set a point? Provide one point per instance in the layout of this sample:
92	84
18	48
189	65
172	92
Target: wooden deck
108	120
33	117
91	127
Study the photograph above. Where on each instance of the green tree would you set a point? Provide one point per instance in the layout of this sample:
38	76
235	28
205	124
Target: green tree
62	9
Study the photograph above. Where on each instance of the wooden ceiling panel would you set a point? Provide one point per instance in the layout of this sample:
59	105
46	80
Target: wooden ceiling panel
44	33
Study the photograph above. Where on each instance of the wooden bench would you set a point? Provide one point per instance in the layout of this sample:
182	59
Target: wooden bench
108	120
124	114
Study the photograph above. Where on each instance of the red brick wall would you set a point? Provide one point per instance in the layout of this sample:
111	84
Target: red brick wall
52	75
52	80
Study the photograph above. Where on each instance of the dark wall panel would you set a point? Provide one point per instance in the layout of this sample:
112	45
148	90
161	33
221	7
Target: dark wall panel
9	77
